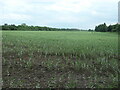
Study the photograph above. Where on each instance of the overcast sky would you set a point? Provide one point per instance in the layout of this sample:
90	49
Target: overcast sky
81	14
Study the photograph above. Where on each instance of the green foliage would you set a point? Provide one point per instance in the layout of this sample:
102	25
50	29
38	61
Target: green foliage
110	28
24	27
101	27
90	30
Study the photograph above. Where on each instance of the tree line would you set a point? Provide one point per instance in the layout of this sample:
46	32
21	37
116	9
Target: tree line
105	28
24	27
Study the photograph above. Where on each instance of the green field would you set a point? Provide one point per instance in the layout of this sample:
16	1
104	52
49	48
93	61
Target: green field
69	59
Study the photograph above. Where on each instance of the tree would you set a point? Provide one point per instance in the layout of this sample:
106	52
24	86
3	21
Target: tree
90	30
118	28
5	27
101	28
13	27
110	28
105	27
23	24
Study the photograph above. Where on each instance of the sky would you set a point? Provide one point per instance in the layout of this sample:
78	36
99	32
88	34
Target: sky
81	14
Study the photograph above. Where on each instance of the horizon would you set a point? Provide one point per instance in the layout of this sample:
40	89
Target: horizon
56	27
76	14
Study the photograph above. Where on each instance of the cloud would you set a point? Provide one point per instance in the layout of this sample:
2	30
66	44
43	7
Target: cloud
13	16
74	6
59	13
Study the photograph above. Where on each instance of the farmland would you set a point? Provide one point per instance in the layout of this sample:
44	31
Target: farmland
50	59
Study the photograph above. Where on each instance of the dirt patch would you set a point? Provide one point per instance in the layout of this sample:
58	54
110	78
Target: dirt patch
46	71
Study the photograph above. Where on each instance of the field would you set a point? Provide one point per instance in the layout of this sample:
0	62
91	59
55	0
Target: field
55	59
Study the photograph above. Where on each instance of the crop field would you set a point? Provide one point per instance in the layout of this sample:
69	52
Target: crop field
56	59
